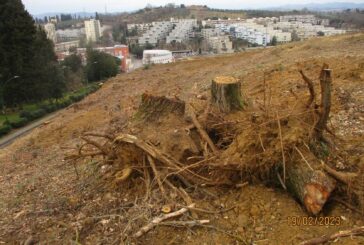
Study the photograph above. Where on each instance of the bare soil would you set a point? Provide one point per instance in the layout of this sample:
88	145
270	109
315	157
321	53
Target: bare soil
55	202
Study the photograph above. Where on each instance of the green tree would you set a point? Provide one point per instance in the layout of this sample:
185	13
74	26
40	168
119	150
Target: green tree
274	41
73	62
26	52
100	65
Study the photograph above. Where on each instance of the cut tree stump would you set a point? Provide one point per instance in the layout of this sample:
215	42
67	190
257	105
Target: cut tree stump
311	187
226	94
153	107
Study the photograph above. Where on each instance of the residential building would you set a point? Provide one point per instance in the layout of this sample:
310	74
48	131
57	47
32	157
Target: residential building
140	28
68	35
93	30
157	57
183	30
66	46
156	33
50	30
221	44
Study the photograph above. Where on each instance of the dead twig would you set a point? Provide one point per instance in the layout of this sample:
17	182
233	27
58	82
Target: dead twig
156	221
303	157
202	132
156	174
188	223
282	149
310	88
343	177
358	231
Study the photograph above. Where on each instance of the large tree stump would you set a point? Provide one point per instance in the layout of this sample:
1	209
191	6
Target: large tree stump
226	94
153	107
311	187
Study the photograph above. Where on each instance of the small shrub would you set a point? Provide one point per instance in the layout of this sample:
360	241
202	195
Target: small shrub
146	67
48	107
19	122
5	129
25	114
38	113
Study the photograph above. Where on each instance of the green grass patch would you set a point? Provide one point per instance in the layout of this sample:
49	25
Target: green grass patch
33	111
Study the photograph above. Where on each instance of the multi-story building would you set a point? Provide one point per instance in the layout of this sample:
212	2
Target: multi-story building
183	30
93	30
221	44
157	57
156	33
139	28
50	30
211	32
66	46
217	41
68	35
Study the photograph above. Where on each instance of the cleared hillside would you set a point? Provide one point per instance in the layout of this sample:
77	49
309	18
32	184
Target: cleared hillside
43	196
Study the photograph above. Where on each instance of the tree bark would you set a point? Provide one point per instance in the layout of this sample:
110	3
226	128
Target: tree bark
226	94
325	83
311	187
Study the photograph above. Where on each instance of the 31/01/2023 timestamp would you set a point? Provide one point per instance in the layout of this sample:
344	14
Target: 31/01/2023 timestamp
314	221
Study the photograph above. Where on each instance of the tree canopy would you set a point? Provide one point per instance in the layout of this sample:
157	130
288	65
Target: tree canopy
26	53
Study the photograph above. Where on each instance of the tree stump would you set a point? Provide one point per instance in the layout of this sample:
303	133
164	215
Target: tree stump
226	94
311	187
153	107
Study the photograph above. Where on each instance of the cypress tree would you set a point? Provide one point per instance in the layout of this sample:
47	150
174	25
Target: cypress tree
26	52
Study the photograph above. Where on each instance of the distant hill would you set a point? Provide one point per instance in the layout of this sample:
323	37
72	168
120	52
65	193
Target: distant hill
81	14
320	6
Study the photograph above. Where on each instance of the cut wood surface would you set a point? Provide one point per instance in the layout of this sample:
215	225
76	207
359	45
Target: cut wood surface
311	187
226	94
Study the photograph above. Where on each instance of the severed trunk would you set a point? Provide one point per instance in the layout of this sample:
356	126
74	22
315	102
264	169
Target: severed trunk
311	187
153	107
226	94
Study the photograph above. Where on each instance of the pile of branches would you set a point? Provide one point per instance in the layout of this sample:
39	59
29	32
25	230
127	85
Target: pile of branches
288	149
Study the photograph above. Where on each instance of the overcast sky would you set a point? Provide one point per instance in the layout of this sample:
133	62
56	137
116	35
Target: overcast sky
47	6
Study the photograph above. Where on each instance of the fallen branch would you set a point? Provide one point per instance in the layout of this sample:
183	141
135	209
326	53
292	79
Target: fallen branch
202	132
310	88
156	174
343	177
188	223
320	240
156	221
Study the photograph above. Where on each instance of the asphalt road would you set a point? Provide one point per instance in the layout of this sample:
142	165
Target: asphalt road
8	139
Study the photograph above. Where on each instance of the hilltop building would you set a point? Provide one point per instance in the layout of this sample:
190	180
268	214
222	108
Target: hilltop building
93	30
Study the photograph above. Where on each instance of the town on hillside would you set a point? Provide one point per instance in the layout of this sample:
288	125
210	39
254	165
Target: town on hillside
178	38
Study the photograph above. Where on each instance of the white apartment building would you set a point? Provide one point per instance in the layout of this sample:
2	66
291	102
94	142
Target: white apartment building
183	30
66	46
156	33
211	32
93	30
50	30
157	57
140	28
217	40
68	35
